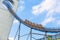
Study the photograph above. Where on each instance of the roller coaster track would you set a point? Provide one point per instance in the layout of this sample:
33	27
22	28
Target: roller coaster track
26	22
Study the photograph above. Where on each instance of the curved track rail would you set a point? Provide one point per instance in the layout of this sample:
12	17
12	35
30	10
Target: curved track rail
28	23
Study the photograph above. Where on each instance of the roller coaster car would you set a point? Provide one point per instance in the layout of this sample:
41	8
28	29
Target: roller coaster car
40	26
28	23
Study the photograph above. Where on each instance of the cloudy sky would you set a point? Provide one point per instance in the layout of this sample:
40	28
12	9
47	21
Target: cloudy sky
45	12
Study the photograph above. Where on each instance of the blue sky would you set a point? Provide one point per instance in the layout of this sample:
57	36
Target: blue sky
45	12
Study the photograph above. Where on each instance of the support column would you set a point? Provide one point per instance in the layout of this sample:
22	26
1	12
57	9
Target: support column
31	34
19	31
46	35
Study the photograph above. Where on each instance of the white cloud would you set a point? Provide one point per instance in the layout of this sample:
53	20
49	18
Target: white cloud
35	9
47	20
46	5
22	1
50	13
58	23
51	6
21	5
10	38
21	8
15	21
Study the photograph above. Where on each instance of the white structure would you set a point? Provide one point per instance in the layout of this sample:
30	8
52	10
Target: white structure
6	19
11	38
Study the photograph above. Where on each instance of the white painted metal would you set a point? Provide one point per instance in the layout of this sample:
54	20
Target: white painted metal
6	20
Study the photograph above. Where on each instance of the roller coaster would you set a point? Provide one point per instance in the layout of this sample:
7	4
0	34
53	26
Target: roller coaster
38	27
28	23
